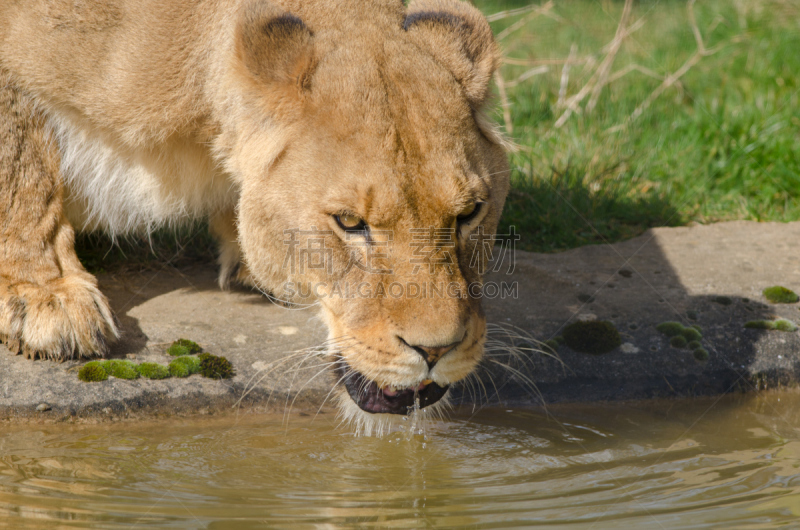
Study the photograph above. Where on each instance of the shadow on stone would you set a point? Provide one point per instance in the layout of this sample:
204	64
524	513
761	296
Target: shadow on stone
710	277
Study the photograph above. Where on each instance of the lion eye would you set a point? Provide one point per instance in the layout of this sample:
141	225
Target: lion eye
350	223
470	212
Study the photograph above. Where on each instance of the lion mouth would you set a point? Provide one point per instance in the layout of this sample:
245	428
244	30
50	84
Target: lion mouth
370	397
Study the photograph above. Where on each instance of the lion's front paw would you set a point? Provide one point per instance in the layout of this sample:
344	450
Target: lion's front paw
65	318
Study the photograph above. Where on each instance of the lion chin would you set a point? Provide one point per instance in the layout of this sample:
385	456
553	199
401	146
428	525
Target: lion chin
339	150
372	398
368	408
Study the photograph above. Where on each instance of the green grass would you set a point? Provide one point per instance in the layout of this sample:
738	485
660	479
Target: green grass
724	145
559	211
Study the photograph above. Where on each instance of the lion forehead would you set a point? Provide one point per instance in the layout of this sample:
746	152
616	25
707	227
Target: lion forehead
394	126
389	85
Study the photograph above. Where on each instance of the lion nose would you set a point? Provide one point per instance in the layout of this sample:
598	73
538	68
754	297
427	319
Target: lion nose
432	354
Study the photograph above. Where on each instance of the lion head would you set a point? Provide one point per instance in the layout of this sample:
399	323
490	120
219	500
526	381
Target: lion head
370	180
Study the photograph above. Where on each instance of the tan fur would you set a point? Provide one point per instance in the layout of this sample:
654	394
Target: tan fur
49	306
265	116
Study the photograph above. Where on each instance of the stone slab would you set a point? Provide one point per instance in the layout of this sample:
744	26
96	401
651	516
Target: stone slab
667	274
710	276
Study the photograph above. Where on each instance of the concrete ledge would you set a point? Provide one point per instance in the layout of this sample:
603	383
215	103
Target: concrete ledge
709	276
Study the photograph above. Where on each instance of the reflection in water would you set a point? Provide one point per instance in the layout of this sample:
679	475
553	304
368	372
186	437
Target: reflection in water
706	462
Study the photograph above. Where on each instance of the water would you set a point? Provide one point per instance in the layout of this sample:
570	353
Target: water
705	463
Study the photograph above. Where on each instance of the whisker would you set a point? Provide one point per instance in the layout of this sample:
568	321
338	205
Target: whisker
334	387
521	376
305	353
325	366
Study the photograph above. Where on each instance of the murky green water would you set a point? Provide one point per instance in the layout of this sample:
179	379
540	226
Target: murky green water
732	462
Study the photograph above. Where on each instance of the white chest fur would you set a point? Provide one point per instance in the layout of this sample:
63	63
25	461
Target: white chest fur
121	189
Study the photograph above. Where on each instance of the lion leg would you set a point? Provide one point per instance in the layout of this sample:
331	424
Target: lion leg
231	266
50	307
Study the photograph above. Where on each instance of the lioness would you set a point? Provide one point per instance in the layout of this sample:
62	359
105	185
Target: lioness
357	125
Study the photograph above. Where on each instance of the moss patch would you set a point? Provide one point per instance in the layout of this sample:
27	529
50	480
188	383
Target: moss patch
595	337
723	300
678	341
183	347
701	354
776	325
670	329
184	366
121	369
785	325
153	371
780	295
215	367
550	345
691	334
681	336
676	329
92	372
759	324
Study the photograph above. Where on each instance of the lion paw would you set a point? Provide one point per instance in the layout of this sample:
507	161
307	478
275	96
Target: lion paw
65	318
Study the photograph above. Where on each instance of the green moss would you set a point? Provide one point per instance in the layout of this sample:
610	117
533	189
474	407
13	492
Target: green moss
670	329
121	369
178	370
680	336
91	372
700	354
723	300
785	325
698	328
215	367
778	325
176	350
559	339
691	334
694	345
677	341
759	324
183	347
691	315
153	370
780	295
184	366
595	337
551	345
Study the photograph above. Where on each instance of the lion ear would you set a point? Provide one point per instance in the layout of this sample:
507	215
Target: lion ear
457	35
276	47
